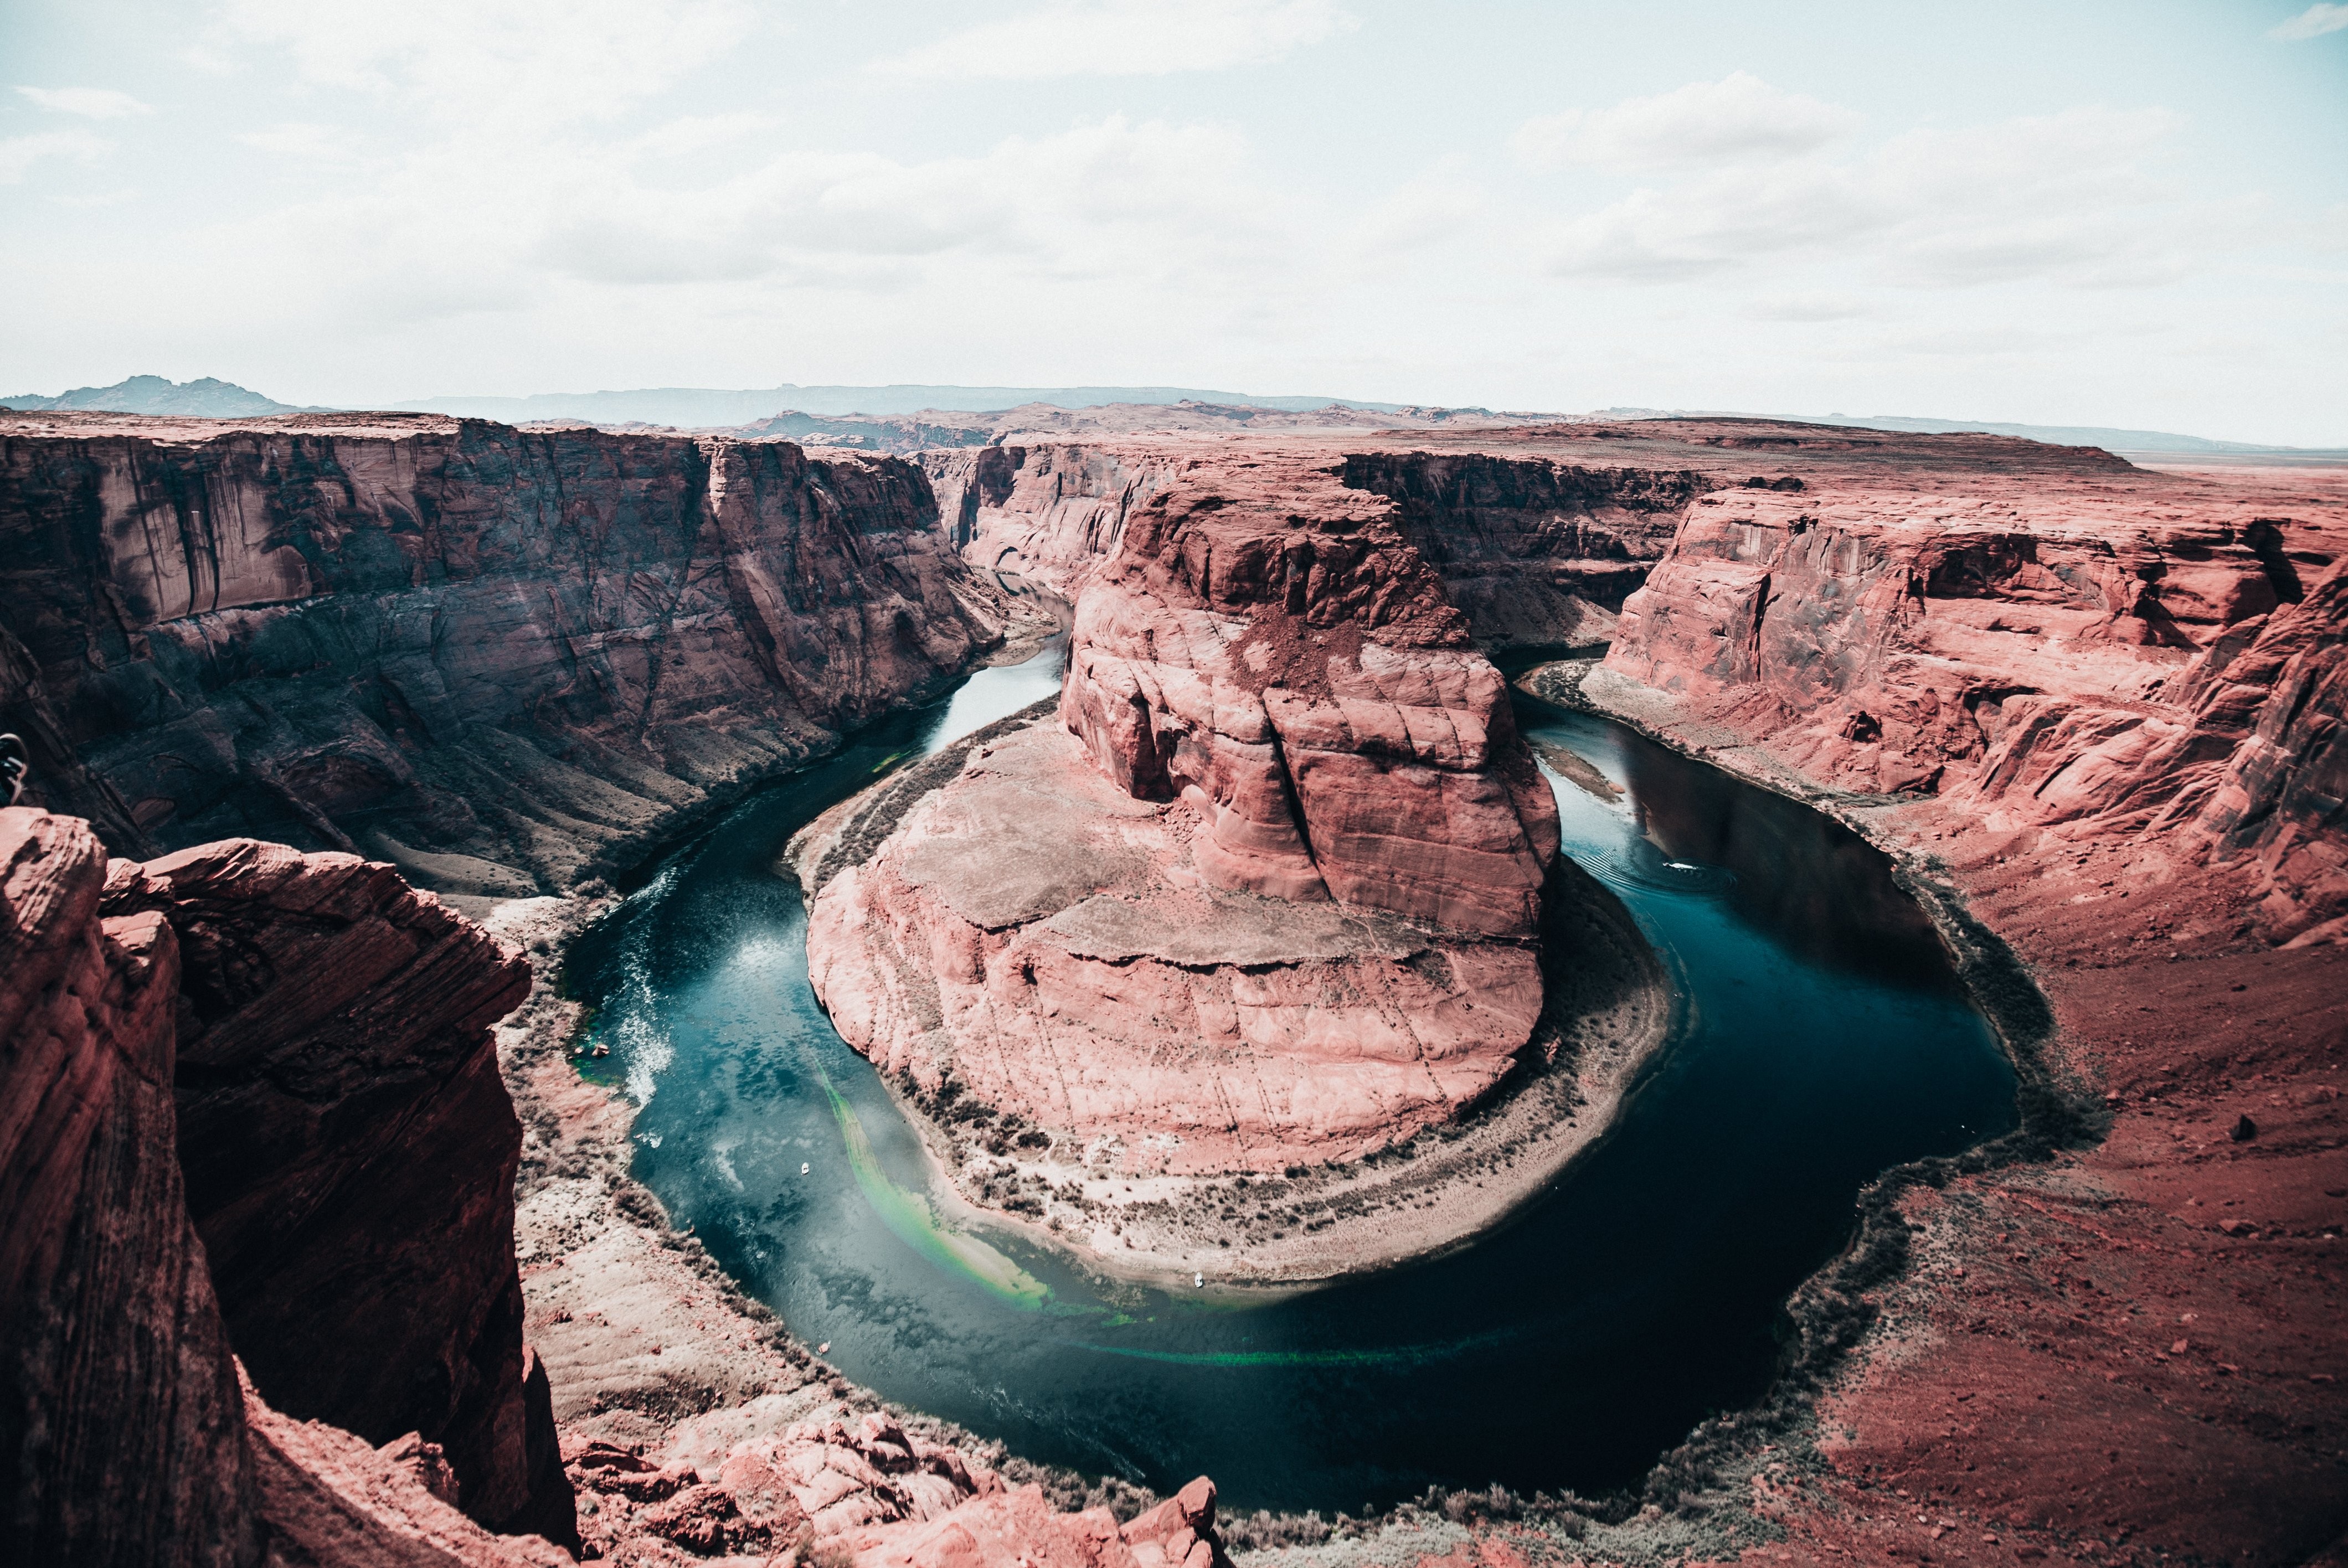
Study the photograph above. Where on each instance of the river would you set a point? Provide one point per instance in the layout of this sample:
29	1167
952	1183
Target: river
1819	1037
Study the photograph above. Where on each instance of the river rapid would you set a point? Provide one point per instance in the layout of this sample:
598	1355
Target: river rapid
1818	1038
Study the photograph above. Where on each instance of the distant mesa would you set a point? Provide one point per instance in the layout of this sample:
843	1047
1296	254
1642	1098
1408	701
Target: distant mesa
905	417
2109	438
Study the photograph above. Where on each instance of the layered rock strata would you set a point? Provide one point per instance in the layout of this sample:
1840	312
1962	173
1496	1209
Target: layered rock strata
350	1152
252	1108
1264	894
1532	549
121	1427
500	658
1048	513
2096	663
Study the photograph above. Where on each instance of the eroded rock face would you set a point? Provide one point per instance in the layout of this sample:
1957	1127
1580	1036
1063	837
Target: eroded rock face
121	1432
1051	514
1270	651
2098	664
350	1153
1265	893
499	658
1018	1525
1531	550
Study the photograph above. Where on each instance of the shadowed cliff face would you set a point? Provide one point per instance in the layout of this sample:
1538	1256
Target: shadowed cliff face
252	1111
1531	549
121	1432
350	1153
502	659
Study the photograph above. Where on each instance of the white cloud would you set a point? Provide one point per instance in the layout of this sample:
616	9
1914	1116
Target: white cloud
1739	119
530	63
1115	195
2313	23
2070	197
1427	210
700	133
90	103
1127	37
1815	305
19	153
305	141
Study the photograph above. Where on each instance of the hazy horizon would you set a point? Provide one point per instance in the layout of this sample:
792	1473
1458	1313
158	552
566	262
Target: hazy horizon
2132	217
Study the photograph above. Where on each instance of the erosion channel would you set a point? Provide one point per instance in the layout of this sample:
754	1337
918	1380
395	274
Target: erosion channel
1818	1037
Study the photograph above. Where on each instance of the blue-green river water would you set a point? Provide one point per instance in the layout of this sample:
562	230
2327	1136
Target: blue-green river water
1818	1038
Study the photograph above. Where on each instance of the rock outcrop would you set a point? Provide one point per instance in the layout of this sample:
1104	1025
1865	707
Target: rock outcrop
1050	513
1533	551
2094	663
1266	892
500	658
1018	1526
122	1428
252	1108
350	1152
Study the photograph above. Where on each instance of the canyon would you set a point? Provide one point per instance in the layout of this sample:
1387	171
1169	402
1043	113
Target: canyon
504	661
1280	806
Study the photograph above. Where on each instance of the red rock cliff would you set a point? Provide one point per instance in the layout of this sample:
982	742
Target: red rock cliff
502	658
122	1428
1266	891
2053	655
294	1046
350	1154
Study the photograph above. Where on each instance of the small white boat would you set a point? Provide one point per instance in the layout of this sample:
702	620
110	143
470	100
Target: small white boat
803	1167
1197	1281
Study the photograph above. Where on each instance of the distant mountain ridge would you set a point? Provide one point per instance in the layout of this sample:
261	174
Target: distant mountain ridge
690	406
205	398
804	411
2109	438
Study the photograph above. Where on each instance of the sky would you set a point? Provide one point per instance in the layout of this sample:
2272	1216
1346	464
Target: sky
2117	213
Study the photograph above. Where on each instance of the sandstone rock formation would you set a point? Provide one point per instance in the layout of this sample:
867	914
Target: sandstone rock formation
1019	1526
2102	662
121	1430
350	1153
1264	896
306	1039
1049	513
500	658
1531	549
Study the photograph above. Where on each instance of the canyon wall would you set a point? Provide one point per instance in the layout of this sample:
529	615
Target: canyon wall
502	660
2093	662
1532	549
121	1434
1265	890
1050	514
254	1114
350	1151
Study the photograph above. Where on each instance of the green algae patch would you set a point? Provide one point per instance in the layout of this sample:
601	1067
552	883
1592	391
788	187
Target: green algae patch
911	1219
